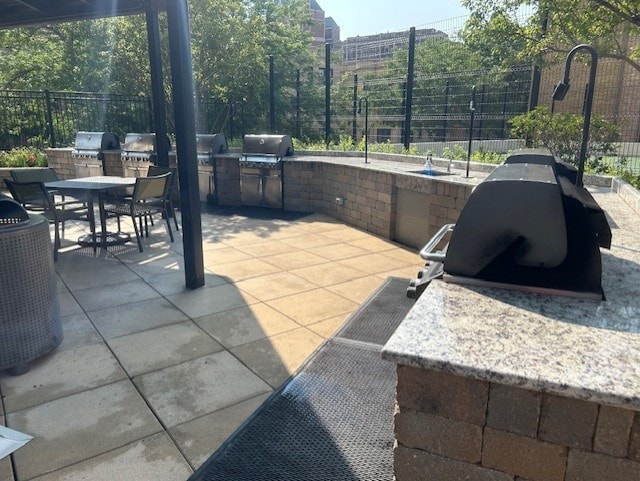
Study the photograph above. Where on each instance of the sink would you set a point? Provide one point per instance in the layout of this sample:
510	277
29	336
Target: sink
434	173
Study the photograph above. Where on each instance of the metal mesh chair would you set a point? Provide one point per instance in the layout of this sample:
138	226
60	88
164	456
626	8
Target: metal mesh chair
34	196
150	196
173	185
45	174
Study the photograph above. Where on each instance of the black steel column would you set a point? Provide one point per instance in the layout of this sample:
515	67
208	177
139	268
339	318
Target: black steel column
157	88
409	91
327	93
185	121
272	96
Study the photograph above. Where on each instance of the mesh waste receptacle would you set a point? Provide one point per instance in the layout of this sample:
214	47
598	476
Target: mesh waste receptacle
30	323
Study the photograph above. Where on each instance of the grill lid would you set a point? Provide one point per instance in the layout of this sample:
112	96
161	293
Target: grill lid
277	145
140	143
211	144
88	142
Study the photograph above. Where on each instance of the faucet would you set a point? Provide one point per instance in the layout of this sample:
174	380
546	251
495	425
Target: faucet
449	165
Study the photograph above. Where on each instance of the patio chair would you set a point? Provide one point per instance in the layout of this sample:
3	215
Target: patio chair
42	175
173	185
150	196
33	196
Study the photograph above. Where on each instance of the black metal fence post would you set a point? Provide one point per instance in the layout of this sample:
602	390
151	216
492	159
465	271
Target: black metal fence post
355	107
272	96
482	104
327	93
446	112
409	93
52	136
297	127
472	110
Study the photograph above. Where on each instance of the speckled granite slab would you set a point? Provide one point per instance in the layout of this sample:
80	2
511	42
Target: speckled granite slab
578	348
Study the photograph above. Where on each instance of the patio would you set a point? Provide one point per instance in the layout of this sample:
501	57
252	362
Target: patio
151	378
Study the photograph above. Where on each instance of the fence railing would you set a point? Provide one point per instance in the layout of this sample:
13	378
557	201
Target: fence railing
410	102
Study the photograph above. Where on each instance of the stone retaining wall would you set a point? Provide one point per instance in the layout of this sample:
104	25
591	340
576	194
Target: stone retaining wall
366	198
451	427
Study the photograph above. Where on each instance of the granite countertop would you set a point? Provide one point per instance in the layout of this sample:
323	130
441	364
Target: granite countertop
402	165
583	349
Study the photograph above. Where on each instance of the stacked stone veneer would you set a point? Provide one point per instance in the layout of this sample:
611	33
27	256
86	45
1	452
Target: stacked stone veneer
450	427
227	174
369	196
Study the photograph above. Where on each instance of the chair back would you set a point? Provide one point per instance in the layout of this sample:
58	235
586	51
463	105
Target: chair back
45	174
32	195
152	187
157	170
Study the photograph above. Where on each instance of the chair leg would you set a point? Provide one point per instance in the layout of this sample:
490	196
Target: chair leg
173	213
135	227
166	216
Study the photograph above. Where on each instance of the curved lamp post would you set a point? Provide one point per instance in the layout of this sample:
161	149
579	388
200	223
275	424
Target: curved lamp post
561	90
366	126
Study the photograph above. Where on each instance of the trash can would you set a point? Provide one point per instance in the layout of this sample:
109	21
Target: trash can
30	322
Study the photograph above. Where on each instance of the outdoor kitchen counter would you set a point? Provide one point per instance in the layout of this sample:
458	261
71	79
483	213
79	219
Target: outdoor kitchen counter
498	385
582	349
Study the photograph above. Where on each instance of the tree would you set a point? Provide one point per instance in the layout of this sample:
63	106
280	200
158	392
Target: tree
554	28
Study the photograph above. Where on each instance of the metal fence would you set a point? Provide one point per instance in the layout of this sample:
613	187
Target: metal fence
44	118
414	86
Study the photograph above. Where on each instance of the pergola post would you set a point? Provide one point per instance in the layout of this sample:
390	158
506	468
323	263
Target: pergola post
157	88
185	126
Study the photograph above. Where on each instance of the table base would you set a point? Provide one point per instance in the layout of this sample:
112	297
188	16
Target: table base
106	239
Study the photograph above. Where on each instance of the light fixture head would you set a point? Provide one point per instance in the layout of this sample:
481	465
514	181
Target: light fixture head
560	91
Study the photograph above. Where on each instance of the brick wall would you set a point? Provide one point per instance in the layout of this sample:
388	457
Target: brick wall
60	160
228	180
369	196
449	427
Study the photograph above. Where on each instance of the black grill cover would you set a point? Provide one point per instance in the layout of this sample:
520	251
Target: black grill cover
527	226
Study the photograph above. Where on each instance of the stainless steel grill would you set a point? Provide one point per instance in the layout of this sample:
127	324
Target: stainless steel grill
526	227
88	153
138	153
207	146
261	169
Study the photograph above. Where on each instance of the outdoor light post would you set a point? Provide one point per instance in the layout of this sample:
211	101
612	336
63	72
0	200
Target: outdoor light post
561	90
366	126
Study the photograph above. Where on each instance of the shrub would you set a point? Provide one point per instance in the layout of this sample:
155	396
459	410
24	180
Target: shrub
562	133
23	157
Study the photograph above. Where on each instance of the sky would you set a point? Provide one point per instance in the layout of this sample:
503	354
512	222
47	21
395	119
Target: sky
365	17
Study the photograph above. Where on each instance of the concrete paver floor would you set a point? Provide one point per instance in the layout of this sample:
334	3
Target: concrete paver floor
151	378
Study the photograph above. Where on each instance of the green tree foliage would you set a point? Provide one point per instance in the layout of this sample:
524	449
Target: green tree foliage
606	24
562	133
231	42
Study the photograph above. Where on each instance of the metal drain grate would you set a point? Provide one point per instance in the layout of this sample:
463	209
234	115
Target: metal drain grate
332	421
380	315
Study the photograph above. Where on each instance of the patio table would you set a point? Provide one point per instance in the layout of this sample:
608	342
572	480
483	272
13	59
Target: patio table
92	187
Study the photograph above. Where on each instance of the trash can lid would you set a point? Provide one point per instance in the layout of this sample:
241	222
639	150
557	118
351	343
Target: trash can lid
11	213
